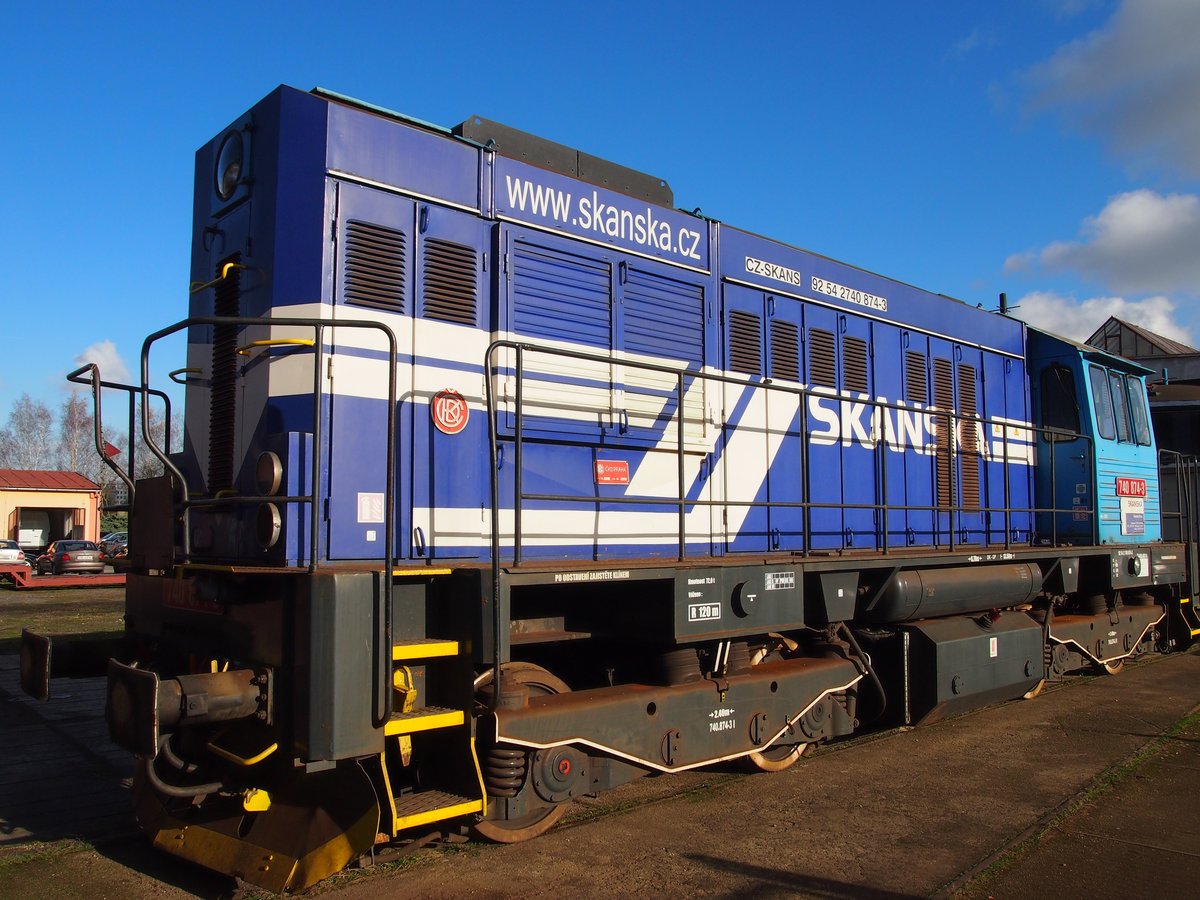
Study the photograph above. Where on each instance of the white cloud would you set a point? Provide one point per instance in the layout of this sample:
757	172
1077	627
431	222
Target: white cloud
978	39
1080	319
1141	242
104	354
1135	82
1067	9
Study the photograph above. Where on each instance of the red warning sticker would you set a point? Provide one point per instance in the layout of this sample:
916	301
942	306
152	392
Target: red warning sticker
450	411
612	471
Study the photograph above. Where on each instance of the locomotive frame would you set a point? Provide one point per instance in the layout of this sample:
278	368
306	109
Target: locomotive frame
644	502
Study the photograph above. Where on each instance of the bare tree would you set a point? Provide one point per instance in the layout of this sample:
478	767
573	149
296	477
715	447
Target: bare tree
146	465
27	440
77	443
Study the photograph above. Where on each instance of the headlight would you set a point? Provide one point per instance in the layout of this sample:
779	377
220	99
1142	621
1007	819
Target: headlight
230	159
268	525
268	473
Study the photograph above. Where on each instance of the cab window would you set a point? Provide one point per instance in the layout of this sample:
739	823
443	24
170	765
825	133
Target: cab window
1137	405
1060	411
1105	422
1120	407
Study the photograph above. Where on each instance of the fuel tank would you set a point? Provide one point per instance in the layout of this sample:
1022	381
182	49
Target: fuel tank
930	593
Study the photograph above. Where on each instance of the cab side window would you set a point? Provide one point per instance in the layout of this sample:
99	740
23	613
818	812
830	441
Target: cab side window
1105	421
1137	405
1120	407
1060	410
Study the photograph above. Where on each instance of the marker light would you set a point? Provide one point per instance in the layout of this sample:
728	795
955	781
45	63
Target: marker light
229	164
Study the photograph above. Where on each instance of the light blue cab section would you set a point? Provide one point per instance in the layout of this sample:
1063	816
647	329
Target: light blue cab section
1097	464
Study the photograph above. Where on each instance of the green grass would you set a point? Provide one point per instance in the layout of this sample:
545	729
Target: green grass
40	851
55	611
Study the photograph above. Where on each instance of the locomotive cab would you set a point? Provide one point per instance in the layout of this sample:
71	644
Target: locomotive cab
1097	459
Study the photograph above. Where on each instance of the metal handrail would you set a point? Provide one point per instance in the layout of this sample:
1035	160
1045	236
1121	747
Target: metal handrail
382	650
96	383
954	451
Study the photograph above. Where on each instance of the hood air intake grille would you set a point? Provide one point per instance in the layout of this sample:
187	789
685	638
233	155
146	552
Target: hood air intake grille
222	406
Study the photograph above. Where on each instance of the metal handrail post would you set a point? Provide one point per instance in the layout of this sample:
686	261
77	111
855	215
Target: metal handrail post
518	461
680	470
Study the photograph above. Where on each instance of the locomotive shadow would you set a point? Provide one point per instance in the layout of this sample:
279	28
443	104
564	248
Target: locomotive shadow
766	879
62	779
138	855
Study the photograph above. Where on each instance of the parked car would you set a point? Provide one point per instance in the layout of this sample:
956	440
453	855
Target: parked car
11	553
114	542
70	556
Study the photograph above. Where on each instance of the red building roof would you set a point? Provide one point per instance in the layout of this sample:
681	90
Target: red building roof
34	480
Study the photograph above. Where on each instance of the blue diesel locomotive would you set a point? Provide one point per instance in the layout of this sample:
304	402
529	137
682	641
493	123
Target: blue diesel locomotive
505	482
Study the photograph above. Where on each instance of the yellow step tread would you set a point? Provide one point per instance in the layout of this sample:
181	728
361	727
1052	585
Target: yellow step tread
423	648
432	806
425	718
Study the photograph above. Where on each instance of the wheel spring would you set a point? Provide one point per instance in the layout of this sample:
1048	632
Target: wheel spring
680	666
504	771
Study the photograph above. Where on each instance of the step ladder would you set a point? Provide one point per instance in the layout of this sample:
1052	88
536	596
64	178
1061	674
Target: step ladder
423	807
1190	616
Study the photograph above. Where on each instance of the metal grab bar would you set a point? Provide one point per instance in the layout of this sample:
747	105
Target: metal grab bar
245	349
96	383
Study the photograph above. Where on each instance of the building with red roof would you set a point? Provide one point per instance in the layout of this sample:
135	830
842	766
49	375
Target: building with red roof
38	507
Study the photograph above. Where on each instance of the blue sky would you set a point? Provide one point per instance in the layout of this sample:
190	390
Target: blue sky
1046	148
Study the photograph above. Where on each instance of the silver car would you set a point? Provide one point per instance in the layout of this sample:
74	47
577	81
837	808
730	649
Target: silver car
70	556
114	542
11	554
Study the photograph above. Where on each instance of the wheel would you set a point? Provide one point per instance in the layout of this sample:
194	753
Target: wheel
1114	668
1035	690
511	763
782	754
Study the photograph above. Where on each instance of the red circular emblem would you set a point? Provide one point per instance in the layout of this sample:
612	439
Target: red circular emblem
450	411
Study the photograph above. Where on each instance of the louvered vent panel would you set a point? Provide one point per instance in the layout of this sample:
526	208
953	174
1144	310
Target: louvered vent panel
916	384
822	372
745	344
373	272
663	320
561	297
664	317
943	399
222	412
854	363
450	285
785	351
969	431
